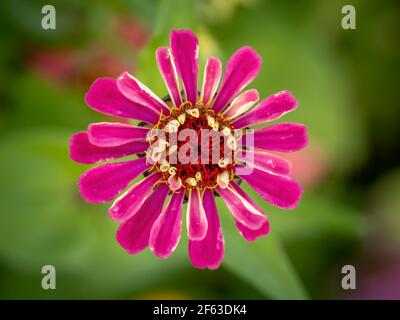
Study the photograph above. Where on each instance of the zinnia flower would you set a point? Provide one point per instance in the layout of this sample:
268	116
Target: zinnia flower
221	108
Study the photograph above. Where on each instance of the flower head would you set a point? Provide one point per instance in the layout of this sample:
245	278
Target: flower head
192	146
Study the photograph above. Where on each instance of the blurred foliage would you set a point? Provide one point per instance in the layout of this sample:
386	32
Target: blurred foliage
345	81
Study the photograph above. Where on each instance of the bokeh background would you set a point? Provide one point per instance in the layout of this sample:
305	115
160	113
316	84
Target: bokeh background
347	85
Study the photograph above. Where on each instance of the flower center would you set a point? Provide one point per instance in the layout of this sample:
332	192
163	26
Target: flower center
193	147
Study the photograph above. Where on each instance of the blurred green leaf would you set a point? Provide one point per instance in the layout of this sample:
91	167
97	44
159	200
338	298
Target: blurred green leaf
262	263
385	208
177	14
316	216
37	102
45	222
316	234
295	60
171	15
25	17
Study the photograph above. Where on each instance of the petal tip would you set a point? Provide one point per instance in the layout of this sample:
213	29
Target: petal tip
85	193
76	142
252	54
97	85
182	32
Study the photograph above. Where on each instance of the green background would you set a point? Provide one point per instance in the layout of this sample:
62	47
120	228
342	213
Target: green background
347	85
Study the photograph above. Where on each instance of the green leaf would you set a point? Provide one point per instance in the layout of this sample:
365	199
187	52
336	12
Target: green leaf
262	263
24	18
384	220
177	14
171	15
45	221
37	103
303	233
293	60
317	216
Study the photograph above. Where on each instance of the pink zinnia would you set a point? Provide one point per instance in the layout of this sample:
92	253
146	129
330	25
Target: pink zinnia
223	108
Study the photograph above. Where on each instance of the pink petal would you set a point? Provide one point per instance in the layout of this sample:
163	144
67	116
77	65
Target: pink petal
263	160
133	234
130	202
115	134
279	190
196	219
211	77
241	103
82	151
166	231
269	109
105	182
105	97
168	72
241	209
209	252
286	137
249	234
241	69
137	92
185	50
